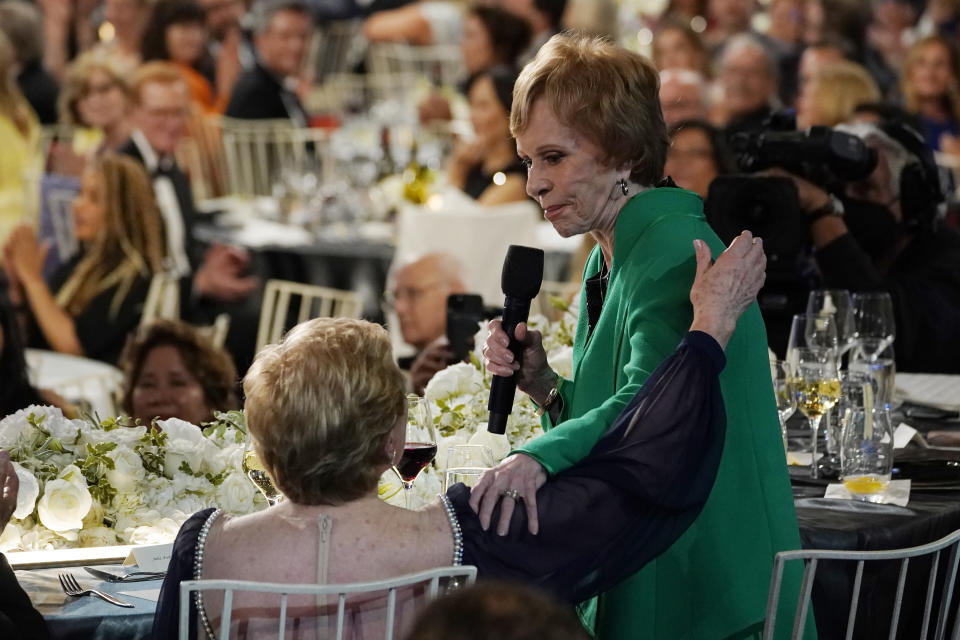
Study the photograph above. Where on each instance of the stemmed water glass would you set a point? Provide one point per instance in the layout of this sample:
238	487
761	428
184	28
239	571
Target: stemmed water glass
838	304
813	332
875	328
815	381
420	446
257	474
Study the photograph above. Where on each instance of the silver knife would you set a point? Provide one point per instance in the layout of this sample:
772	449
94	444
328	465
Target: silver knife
137	576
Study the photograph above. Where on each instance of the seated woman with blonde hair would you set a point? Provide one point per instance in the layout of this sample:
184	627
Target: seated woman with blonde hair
327	412
95	299
833	93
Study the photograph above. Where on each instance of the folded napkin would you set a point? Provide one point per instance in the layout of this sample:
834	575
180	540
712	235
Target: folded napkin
898	492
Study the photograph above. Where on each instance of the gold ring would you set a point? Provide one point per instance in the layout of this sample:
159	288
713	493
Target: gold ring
511	493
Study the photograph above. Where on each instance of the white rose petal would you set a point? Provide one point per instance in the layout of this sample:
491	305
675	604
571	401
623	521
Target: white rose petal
122	436
128	469
496	442
235	494
177	429
162	532
28	493
10	538
63	505
562	361
454	380
180	450
99	536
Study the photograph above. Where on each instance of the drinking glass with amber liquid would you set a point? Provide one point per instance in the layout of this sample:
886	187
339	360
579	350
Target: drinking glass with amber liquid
816	385
259	476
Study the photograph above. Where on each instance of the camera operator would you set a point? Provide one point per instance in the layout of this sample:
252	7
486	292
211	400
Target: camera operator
881	235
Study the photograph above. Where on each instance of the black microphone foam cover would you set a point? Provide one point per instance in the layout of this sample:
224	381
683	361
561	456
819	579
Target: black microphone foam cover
522	272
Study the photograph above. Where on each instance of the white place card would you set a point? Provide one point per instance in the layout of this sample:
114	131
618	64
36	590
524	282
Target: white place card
904	434
154	557
898	492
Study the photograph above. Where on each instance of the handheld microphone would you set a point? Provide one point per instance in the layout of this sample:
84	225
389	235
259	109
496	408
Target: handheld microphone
520	282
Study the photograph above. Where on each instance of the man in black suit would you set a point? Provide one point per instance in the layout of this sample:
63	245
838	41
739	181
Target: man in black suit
282	31
161	100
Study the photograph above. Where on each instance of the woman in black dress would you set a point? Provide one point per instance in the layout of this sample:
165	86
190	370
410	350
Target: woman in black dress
96	298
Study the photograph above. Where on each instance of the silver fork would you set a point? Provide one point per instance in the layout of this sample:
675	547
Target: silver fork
72	588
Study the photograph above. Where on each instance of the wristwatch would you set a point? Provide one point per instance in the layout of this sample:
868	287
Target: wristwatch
834	207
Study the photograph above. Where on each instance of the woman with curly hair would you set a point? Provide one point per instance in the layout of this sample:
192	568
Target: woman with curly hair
172	371
94	300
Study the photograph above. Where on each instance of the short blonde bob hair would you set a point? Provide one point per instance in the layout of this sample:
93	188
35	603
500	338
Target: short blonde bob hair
320	405
608	94
839	88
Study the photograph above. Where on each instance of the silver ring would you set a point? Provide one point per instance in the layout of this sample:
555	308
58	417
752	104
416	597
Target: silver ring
511	493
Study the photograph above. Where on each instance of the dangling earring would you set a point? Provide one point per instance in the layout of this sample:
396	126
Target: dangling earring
623	186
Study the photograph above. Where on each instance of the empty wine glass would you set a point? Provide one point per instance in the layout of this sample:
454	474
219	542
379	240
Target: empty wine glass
420	447
786	400
257	474
815	381
836	303
875	327
813	332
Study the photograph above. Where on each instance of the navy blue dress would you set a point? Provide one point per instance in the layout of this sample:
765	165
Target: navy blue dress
602	519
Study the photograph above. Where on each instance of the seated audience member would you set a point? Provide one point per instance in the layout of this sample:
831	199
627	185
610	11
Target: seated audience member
931	89
420	23
327	413
697	155
488	169
831	95
727	20
129	19
160	103
748	77
491	37
20	133
281	31
96	96
887	238
419	298
171	371
593	18
784	39
18	619
886	44
23	25
677	46
177	33
816	56
17	392
95	299
496	610
229	46
545	18
683	96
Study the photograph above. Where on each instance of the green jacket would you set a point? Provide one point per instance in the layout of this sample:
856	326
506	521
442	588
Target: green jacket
712	583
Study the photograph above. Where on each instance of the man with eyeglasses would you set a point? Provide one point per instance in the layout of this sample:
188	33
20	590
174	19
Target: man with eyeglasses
418	296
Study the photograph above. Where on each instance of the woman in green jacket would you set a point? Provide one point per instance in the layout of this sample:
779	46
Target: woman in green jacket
589	128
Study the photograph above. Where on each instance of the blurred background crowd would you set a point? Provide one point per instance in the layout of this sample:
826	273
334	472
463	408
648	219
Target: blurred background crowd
172	171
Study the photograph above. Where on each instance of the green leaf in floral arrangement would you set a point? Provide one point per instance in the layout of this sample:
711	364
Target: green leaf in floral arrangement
217	480
475	361
185	468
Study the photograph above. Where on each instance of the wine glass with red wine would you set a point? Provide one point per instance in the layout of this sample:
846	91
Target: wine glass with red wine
420	447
